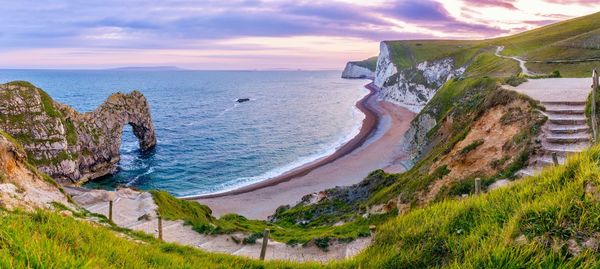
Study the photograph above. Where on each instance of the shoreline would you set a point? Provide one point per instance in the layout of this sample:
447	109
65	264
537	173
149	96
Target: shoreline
367	129
382	150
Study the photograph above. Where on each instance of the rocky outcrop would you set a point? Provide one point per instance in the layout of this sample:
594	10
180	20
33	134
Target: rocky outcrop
414	86
354	70
21	185
69	146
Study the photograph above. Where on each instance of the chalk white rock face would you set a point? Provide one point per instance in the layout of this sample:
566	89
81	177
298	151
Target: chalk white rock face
385	67
355	71
437	71
415	138
414	87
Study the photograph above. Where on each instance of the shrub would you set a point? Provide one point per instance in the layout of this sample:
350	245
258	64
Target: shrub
471	146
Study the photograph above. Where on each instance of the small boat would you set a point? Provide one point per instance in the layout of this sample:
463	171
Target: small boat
241	100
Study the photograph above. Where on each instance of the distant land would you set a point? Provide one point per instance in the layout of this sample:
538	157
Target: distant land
148	68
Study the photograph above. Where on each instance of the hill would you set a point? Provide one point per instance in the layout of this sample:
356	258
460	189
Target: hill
467	128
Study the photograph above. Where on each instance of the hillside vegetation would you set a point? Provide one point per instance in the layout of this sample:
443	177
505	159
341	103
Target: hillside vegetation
546	48
427	217
370	63
547	221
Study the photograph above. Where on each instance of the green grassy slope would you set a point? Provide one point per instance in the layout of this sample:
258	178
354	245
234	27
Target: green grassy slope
550	220
370	63
409	53
546	221
573	39
563	40
47	240
282	230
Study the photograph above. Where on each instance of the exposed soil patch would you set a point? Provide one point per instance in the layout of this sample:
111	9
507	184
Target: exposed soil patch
487	148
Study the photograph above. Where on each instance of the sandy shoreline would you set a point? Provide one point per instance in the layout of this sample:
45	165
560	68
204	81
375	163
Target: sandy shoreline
368	127
348	165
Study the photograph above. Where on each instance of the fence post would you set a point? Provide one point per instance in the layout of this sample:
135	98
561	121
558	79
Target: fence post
477	185
593	112
554	159
110	209
160	232
263	249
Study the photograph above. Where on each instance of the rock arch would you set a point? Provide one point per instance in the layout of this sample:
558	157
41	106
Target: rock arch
70	146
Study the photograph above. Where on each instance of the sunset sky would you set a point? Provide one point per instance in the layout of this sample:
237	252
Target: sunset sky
249	34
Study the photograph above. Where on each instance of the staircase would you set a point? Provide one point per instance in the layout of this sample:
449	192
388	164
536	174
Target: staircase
565	132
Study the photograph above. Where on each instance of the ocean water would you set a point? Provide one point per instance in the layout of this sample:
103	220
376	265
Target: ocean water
207	142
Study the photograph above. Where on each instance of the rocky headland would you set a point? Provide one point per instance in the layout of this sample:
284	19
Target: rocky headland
70	146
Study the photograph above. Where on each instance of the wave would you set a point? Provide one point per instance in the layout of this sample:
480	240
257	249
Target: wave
136	178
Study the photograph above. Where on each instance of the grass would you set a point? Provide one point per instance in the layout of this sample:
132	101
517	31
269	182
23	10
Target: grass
47	240
370	63
406	54
575	39
526	225
472	146
200	218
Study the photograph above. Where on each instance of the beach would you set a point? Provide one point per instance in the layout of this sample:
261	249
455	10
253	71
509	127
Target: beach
377	146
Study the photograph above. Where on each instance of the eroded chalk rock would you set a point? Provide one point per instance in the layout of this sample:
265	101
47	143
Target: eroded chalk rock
69	146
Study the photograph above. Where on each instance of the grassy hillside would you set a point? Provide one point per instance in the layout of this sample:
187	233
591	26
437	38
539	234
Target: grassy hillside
575	39
370	63
47	240
283	229
547	221
571	39
551	220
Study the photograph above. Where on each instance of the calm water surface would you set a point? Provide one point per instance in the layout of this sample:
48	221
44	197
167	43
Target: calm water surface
207	142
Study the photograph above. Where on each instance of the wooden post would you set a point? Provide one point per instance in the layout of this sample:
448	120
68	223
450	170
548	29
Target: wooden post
554	159
110	206
594	100
160	234
263	249
477	185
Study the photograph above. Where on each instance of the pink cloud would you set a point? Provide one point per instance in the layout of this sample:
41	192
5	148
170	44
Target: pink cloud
492	3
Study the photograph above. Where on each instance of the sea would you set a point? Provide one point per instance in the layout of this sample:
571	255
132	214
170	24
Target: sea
207	141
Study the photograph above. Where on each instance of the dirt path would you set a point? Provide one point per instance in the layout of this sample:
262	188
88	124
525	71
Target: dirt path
137	211
522	63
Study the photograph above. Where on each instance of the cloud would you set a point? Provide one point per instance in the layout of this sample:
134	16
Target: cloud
508	4
207	25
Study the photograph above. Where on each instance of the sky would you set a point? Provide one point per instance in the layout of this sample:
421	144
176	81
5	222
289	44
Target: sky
249	34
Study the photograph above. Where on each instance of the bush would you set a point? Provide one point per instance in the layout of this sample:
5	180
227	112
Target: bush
471	146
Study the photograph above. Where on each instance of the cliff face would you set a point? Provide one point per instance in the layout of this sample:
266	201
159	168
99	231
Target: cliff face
414	86
353	70
21	185
69	146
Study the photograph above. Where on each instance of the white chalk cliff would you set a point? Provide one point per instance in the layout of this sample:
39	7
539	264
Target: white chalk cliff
414	86
353	70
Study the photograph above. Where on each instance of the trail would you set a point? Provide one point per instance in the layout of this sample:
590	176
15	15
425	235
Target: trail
137	211
522	63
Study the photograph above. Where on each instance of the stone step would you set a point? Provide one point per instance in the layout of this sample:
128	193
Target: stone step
528	172
567	129
565	148
567	119
546	160
565	109
564	103
568	138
